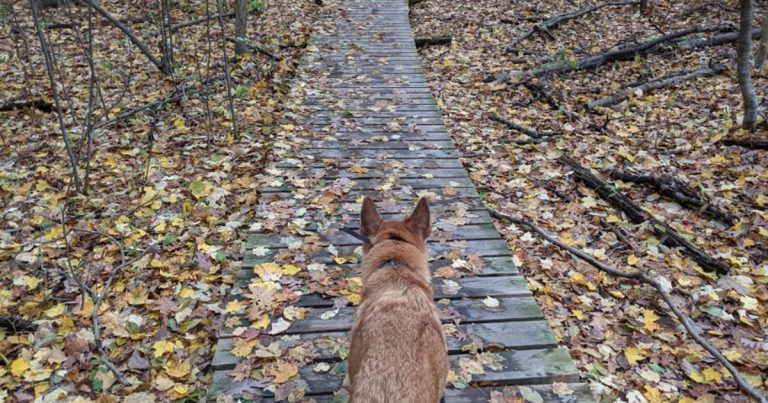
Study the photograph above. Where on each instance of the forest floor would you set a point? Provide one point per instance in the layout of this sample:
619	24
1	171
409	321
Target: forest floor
153	245
622	336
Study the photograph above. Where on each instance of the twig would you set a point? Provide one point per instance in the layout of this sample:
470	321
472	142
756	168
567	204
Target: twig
653	282
553	22
523	129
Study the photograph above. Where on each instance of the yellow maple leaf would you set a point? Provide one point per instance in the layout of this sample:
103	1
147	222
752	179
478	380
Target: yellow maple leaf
179	369
186	292
19	366
261	323
652	394
696	376
712	375
649	320
632	260
290	269
235	306
55	310
282	372
634	355
162	347
242	347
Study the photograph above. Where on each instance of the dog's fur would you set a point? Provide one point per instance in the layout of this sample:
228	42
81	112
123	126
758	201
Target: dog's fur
398	351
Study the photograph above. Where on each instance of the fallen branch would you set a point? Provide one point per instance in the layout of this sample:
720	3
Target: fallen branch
627	53
139	44
654	85
717	40
660	288
637	215
553	22
433	41
253	48
523	129
678	191
751	143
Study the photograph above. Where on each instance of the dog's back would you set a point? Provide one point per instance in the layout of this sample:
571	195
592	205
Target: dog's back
398	352
397	349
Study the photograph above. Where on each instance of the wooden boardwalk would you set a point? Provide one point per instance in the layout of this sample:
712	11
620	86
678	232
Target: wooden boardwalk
376	130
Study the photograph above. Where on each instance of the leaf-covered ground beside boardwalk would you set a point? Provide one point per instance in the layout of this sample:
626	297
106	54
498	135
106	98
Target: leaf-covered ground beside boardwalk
622	336
171	193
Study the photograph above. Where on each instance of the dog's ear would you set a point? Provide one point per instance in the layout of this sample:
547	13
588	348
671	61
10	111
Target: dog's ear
370	219
419	220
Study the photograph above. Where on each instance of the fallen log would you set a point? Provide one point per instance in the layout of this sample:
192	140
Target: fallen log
433	41
523	129
15	324
553	22
670	237
751	143
39	104
627	53
674	189
654	85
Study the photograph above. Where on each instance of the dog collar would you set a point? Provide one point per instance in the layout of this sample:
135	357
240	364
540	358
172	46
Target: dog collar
391	264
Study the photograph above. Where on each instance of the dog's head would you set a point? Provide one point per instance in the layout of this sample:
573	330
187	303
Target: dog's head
413	230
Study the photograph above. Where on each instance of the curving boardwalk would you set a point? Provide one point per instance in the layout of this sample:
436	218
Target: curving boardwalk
374	129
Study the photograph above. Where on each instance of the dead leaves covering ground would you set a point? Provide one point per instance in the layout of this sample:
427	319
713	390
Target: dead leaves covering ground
625	342
176	207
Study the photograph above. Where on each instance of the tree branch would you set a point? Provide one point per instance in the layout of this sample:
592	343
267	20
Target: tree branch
131	36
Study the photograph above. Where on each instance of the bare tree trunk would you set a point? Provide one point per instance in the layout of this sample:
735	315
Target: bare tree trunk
54	91
762	47
644	6
744	66
241	27
166	35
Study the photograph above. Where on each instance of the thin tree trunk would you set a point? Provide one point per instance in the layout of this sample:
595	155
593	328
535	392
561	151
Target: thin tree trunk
226	70
55	93
744	66
241	27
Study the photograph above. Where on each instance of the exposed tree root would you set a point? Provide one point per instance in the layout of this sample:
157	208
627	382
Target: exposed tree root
257	49
654	85
678	191
637	215
661	287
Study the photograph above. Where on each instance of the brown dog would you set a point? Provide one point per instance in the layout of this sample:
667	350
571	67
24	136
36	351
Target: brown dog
398	351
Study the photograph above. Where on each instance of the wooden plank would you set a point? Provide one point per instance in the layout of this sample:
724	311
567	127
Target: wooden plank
527	335
373	163
582	393
351	206
523	367
357	143
352	153
333	173
394	182
480	320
